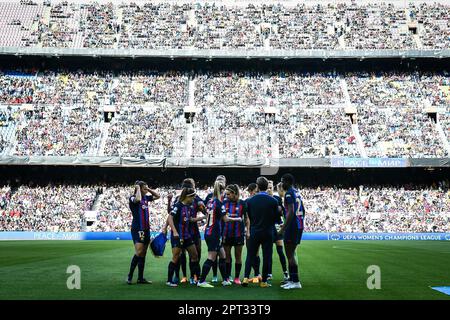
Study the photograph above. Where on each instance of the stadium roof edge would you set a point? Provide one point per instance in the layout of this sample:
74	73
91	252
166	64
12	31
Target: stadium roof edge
226	54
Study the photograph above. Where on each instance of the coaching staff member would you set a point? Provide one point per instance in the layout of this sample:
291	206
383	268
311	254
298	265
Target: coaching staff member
262	210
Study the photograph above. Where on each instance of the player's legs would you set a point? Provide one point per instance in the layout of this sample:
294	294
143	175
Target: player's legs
198	246
238	263
214	268
223	266
290	248
227	250
141	263
141	240
182	264
138	249
214	250
176	252
279	246
194	265
212	256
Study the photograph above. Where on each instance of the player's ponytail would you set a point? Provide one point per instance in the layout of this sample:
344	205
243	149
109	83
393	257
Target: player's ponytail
218	189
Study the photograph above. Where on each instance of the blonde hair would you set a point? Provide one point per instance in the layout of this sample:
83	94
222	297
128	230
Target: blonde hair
218	189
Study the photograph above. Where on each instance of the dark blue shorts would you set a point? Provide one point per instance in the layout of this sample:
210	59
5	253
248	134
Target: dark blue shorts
233	241
140	236
276	236
197	239
214	243
293	236
181	243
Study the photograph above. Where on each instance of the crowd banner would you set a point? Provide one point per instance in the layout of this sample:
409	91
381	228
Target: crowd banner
328	236
176	162
369	162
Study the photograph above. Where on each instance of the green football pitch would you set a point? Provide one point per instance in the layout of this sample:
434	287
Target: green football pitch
328	270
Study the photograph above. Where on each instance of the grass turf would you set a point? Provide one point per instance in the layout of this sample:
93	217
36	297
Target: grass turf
328	270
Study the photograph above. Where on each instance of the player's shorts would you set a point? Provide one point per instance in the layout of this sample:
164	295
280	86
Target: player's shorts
197	239
181	243
214	243
277	236
293	236
233	241
140	236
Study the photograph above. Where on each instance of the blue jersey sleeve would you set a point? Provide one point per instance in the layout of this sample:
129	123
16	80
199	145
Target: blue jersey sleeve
289	198
175	211
220	210
199	202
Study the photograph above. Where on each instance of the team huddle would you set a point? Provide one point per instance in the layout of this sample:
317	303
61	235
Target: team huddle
257	222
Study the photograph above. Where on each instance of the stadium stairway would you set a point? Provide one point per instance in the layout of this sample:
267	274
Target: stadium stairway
104	135
189	139
415	37
97	200
443	137
192	92
359	141
344	88
9	135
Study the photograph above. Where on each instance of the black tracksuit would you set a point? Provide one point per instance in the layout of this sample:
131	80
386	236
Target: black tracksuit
262	210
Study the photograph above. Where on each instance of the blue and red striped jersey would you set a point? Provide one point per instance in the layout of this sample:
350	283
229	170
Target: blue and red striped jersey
181	214
213	223
141	215
199	206
292	197
235	210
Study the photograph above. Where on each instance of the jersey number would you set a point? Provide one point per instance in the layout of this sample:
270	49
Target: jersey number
299	204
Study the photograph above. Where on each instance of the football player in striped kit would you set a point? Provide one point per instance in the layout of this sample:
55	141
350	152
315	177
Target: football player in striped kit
234	232
213	236
140	228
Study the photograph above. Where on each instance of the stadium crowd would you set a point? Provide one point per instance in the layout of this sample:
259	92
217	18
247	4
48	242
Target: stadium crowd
55	132
136	132
51	208
240	114
398	89
389	133
376	208
231	25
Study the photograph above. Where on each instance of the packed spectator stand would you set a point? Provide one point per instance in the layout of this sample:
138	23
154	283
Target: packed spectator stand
225	25
328	209
277	114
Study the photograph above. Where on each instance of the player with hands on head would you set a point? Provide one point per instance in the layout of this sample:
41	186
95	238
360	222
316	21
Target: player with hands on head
140	228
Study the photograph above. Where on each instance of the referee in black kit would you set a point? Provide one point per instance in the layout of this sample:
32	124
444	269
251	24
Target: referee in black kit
262	210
